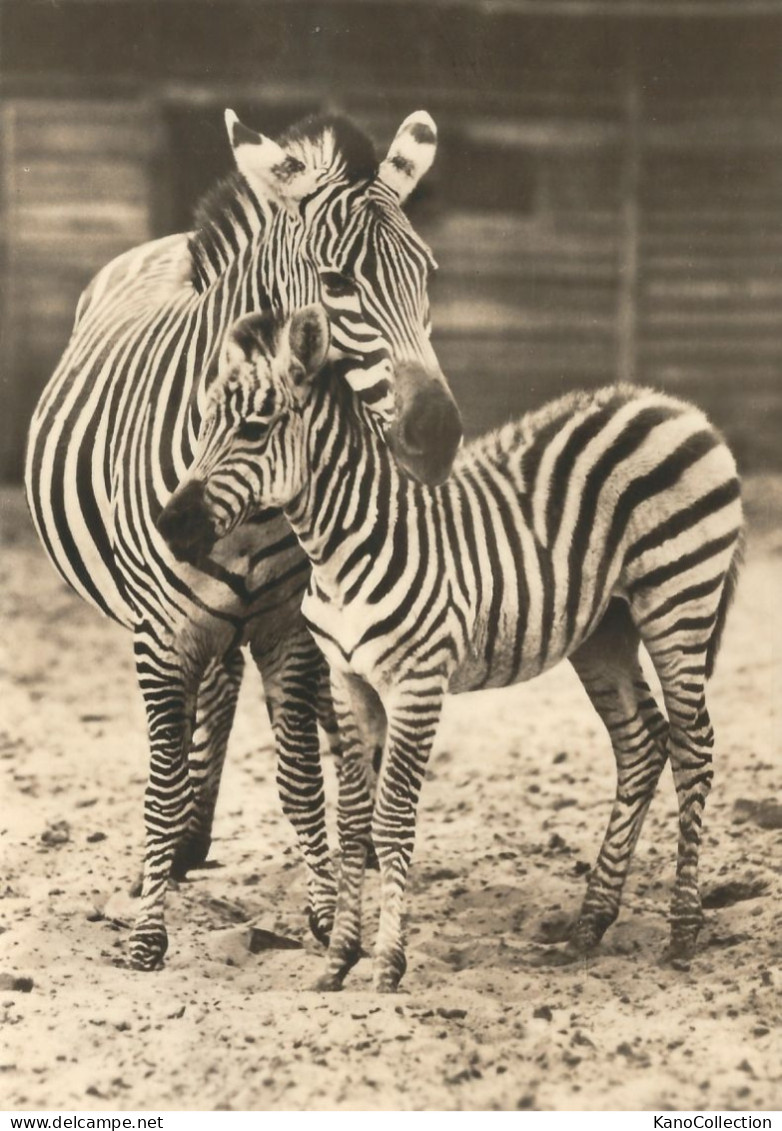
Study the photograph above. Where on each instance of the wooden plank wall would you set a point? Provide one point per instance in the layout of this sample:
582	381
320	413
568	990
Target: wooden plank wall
77	190
710	286
606	201
686	200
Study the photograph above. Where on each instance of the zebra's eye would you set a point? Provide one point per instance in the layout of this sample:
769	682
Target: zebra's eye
252	430
337	284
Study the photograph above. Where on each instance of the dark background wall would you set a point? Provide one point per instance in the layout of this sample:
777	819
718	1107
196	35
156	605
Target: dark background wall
606	202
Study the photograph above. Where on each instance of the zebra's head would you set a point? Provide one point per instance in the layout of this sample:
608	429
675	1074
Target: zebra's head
250	451
339	237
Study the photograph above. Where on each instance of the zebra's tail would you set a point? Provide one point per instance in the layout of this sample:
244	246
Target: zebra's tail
728	592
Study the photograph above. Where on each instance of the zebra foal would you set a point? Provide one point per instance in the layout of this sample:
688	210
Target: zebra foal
602	521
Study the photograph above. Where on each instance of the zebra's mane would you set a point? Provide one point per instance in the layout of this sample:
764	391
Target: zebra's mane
228	215
225	219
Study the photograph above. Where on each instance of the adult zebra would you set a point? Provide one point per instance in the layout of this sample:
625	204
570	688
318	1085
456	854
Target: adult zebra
311	217
603	520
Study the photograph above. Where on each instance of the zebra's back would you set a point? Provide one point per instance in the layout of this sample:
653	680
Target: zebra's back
604	494
76	439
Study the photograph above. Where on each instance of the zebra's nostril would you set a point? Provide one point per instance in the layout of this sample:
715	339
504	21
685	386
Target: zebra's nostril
413	436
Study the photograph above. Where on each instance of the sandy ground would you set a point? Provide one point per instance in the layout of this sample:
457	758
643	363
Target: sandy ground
520	788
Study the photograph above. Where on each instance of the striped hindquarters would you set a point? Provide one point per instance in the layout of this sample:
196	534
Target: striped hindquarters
636	495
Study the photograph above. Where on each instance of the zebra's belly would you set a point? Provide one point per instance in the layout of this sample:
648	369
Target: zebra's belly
502	668
512	656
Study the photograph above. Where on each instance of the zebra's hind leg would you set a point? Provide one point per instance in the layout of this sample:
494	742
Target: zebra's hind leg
168	684
215	711
291	671
607	665
362	724
327	717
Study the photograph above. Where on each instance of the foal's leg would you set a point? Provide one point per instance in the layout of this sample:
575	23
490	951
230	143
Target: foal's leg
677	625
362	724
608	667
413	716
215	710
681	668
168	683
290	670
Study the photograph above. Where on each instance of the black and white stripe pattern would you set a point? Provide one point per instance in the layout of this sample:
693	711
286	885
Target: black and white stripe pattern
603	521
114	432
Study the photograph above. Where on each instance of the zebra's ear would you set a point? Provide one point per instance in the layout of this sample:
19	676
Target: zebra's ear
411	154
308	336
267	168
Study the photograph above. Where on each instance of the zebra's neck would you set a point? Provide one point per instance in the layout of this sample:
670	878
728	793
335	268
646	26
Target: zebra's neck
351	489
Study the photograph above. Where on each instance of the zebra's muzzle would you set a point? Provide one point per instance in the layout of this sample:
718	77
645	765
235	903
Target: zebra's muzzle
427	437
186	524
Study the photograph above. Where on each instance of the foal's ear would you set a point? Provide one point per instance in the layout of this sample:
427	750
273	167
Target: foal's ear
308	335
249	336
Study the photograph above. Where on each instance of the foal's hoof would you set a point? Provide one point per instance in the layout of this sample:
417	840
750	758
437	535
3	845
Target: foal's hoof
148	946
388	975
678	955
551	956
387	983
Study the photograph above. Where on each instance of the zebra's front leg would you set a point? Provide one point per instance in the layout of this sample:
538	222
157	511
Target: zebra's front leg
291	672
215	711
168	685
362	726
413	716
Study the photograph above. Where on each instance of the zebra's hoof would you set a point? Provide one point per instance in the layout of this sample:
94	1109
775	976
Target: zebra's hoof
587	932
191	853
320	923
148	946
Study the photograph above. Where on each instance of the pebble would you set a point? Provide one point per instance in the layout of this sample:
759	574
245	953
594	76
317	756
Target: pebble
16	984
451	1014
56	833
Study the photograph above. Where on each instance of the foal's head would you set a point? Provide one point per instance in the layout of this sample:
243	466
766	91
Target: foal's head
250	450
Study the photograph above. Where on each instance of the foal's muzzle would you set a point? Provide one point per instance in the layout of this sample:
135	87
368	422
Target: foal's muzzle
186	524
